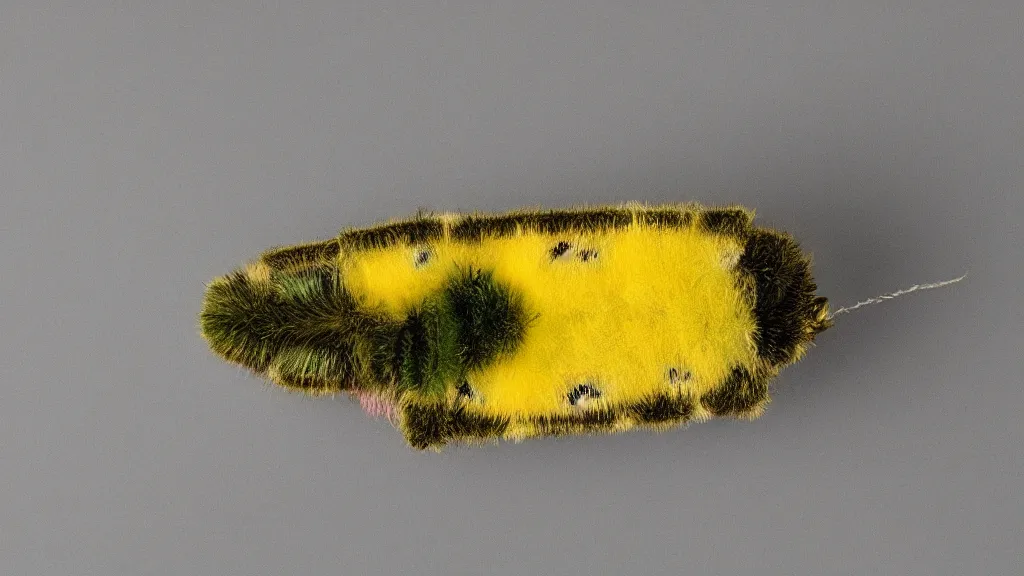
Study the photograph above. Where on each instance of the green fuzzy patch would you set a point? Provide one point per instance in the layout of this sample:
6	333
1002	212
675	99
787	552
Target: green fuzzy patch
424	228
733	222
473	228
491	319
305	328
662	410
304	325
426	347
432	425
665	218
469	324
417	231
312	253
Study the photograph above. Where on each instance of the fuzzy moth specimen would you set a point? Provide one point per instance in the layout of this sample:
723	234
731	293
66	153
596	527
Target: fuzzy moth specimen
480	327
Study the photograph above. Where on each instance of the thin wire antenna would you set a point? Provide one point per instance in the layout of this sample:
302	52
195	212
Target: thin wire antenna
896	294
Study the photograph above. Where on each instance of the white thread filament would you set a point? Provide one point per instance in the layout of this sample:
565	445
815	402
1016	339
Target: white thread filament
896	294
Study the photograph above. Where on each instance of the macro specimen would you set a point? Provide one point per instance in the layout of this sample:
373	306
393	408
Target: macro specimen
467	328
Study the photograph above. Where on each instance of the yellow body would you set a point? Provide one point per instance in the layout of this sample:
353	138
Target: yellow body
469	327
653	300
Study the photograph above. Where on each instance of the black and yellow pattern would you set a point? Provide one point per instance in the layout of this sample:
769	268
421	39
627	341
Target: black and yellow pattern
479	327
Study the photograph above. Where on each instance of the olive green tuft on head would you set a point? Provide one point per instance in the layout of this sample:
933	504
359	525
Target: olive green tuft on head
301	328
231	305
302	255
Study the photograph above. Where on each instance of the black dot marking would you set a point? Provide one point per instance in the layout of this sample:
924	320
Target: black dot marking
581	391
588	255
675	378
560	249
422	257
465	390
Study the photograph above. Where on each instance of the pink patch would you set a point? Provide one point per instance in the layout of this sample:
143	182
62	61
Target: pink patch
377	406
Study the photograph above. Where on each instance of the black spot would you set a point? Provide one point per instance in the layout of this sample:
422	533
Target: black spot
464	390
560	249
422	257
582	390
588	255
675	377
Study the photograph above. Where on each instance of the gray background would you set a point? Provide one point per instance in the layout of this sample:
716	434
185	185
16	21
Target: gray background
145	150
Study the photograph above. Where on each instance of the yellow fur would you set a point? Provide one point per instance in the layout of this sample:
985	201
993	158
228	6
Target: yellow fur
258	273
653	300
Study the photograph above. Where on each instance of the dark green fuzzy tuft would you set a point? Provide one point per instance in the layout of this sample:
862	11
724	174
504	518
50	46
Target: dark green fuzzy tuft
473	228
469	324
418	231
740	394
661	410
491	319
588	421
434	425
787	311
231	306
427	349
665	218
312	368
726	221
303	325
313	253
